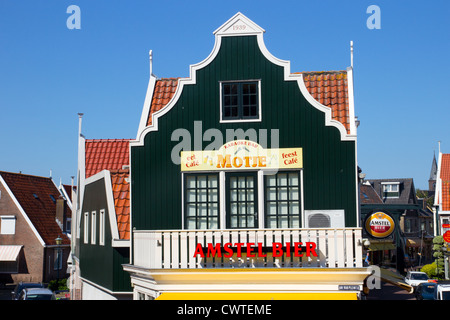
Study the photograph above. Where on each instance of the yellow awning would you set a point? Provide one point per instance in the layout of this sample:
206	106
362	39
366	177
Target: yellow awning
258	296
413	243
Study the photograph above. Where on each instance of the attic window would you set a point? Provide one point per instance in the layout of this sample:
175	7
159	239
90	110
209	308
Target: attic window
240	101
35	196
53	198
391	189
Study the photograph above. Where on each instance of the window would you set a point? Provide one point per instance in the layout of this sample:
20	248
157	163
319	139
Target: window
240	101
8	225
57	263
86	227
242	202
282	202
201	201
93	227
391	190
102	228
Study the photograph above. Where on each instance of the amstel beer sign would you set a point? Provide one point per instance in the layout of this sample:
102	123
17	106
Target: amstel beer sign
379	224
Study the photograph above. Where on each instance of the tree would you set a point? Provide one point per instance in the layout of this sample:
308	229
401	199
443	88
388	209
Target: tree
430	269
423	194
438	245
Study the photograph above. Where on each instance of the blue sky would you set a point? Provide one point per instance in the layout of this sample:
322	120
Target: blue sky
49	73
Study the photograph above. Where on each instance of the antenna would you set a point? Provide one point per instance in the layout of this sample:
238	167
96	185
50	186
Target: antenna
351	54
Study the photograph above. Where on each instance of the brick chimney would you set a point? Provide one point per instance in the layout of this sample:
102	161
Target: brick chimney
61	213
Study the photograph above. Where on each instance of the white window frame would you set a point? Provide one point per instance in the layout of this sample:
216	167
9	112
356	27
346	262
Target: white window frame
86	227
261	194
101	232
93	227
8	225
388	187
259	119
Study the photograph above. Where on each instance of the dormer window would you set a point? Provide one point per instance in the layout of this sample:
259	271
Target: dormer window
391	189
240	101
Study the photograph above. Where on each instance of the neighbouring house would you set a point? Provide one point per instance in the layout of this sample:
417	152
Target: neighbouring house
410	242
245	181
34	222
442	195
102	234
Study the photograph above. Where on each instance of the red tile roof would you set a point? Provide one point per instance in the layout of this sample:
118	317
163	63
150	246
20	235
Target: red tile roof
162	94
121	193
330	88
445	177
34	196
106	154
113	155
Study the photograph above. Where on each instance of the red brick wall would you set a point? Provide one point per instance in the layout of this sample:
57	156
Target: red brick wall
32	254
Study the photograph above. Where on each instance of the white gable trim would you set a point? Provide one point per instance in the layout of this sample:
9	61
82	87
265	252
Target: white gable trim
25	216
227	30
147	104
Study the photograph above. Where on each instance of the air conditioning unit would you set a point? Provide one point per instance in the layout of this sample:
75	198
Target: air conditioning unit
325	218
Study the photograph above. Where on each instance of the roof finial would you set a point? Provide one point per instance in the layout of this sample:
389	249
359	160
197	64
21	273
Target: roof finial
150	55
351	54
439	143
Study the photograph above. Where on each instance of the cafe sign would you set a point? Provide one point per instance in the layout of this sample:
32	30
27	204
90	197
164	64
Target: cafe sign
379	225
241	155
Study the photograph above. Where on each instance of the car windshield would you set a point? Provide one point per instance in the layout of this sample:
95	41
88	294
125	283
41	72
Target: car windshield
39	297
419	276
428	289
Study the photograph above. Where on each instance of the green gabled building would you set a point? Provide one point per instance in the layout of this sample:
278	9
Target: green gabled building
101	232
243	158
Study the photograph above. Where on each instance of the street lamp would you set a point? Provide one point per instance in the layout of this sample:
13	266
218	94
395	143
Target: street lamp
58	247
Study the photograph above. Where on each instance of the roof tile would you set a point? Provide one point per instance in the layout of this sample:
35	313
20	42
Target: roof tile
445	177
121	194
109	154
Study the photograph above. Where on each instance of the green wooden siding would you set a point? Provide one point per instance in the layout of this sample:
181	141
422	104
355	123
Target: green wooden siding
329	175
101	264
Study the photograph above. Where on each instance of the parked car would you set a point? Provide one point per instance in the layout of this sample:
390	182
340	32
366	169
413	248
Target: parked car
443	292
414	278
22	285
37	294
426	291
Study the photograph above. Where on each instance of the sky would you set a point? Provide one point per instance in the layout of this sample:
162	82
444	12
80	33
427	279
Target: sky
49	73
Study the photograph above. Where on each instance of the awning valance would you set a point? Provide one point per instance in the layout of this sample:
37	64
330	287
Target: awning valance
9	253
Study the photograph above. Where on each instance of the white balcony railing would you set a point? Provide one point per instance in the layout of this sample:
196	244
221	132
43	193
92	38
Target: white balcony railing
178	249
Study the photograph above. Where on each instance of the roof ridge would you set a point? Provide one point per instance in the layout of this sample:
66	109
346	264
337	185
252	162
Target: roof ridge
320	72
25	174
108	139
